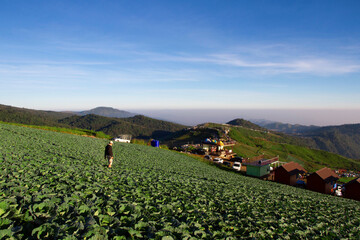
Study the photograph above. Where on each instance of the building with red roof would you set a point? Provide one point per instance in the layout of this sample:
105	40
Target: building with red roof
322	181
288	173
352	189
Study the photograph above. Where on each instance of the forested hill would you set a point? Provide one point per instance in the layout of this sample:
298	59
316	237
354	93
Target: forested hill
29	116
287	128
138	126
107	112
343	140
247	124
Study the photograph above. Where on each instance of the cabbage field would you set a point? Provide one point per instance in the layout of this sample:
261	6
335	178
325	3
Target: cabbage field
57	186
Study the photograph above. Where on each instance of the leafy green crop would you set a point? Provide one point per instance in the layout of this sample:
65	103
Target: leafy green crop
57	186
76	131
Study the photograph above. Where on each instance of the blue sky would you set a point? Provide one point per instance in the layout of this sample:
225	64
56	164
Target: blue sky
141	55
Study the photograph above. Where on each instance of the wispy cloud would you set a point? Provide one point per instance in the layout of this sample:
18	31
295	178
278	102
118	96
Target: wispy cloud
319	66
274	58
35	70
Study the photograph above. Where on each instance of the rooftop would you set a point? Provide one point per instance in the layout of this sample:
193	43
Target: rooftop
327	174
293	167
261	162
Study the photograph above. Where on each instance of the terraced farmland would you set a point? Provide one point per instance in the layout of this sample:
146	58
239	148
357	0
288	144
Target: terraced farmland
57	186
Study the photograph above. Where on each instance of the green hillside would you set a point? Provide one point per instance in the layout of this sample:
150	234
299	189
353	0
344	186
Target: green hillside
32	117
344	139
76	131
247	124
57	186
252	143
289	128
193	135
138	126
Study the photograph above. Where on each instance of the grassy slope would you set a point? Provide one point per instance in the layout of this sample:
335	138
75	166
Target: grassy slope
76	131
192	136
57	185
138	126
252	143
344	139
32	117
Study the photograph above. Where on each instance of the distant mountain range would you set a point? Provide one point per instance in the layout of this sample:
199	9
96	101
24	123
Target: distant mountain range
284	127
343	139
285	138
107	112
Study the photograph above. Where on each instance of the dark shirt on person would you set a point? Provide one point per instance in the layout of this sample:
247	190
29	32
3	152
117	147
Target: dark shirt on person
108	151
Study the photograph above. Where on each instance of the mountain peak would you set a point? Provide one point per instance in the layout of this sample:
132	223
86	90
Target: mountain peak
108	112
245	123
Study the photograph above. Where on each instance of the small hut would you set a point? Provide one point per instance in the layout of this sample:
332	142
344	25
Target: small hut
288	173
352	189
259	168
322	181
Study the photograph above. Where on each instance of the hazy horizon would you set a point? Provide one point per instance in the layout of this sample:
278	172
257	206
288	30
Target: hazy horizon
317	117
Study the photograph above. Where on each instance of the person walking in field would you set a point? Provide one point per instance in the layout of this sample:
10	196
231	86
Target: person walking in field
109	153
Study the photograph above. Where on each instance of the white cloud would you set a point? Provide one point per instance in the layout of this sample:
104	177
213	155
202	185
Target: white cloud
318	66
42	71
267	59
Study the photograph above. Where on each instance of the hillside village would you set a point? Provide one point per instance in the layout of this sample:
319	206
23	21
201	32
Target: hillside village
325	180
